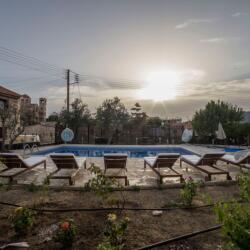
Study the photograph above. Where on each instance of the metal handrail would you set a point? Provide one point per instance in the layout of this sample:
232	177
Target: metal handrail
26	146
31	149
34	146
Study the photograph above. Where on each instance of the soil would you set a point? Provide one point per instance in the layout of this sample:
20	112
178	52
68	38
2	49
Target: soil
143	229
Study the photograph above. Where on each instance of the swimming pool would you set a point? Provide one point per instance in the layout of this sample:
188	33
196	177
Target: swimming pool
229	149
232	150
98	151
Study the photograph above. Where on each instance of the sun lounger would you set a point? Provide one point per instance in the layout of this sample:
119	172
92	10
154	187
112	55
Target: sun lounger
206	164
163	160
68	166
116	162
240	159
16	165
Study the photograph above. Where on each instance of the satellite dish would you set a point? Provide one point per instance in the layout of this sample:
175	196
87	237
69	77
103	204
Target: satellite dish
187	135
67	135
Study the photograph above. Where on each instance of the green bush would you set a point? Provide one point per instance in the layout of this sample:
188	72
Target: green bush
33	188
189	191
236	223
235	216
100	184
114	233
244	185
22	220
66	233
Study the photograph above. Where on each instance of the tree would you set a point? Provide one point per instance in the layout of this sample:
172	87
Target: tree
78	116
54	117
137	113
154	122
13	124
110	115
205	121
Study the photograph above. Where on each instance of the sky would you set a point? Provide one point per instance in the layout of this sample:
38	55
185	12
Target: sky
171	56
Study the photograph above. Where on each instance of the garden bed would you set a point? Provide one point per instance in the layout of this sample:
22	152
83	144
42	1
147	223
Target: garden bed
143	228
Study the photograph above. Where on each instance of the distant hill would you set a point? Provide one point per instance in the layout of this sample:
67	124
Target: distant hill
246	116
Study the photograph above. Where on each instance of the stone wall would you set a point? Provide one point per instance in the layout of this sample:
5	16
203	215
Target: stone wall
46	132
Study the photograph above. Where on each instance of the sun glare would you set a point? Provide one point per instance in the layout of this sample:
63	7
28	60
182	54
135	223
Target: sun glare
161	86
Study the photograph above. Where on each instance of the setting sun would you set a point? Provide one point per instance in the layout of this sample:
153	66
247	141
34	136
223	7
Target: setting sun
161	86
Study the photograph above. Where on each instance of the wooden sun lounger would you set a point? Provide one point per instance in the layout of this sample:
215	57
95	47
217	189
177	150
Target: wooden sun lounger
116	161
16	165
203	163
163	161
68	166
241	162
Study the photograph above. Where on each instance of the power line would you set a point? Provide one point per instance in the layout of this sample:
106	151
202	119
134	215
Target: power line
109	83
17	58
33	59
30	79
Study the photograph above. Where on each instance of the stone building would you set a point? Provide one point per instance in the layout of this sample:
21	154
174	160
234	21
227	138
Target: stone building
34	113
8	98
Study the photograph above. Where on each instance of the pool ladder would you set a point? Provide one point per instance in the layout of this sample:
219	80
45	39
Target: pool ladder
30	149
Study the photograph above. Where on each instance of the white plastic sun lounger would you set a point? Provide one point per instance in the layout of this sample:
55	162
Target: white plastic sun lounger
17	165
163	160
240	159
68	166
204	163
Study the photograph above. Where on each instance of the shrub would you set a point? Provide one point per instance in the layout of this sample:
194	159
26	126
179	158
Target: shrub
66	233
33	188
100	184
189	191
114	233
236	223
22	220
136	188
235	216
103	186
244	185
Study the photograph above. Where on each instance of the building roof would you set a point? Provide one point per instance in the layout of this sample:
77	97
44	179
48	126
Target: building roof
25	95
8	93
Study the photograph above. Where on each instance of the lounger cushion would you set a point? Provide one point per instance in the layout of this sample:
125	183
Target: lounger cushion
116	154
239	156
8	154
62	154
169	154
33	160
150	160
80	161
193	159
230	158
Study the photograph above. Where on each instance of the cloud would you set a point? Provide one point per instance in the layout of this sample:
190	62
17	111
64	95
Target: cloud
236	89
190	22
240	64
213	40
239	14
219	39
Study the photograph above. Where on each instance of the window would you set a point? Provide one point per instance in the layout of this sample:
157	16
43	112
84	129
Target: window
2	104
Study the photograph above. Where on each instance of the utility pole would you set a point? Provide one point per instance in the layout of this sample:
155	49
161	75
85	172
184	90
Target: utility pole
68	83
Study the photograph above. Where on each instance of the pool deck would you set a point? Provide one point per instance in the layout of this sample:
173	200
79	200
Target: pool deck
135	170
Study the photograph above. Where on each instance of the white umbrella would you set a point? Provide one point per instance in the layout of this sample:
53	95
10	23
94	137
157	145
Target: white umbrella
220	133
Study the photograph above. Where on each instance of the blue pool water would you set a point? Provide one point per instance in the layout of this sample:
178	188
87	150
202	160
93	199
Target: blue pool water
98	151
232	150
